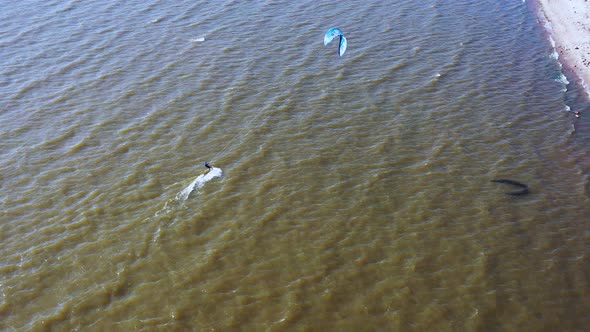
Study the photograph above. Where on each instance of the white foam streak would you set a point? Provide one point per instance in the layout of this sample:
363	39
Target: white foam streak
199	182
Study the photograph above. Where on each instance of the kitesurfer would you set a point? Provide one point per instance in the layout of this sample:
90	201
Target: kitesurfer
577	113
207	165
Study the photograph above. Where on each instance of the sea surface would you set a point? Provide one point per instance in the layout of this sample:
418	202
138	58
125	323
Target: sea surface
348	193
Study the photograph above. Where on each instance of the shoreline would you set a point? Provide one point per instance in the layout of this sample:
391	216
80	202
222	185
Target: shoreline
568	24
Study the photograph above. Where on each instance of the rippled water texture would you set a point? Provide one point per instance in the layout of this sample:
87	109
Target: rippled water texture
356	192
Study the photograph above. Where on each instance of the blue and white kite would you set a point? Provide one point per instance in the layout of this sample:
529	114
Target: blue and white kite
333	33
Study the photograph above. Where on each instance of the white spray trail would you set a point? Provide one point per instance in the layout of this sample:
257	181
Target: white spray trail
199	182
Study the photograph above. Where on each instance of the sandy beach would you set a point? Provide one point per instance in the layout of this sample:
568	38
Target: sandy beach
568	22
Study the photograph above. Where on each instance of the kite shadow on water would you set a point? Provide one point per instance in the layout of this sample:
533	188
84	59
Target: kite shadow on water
523	191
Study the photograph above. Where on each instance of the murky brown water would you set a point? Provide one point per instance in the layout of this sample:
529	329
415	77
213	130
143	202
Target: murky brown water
356	193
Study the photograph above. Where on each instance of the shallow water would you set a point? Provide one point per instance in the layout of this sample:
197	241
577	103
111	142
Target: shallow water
356	192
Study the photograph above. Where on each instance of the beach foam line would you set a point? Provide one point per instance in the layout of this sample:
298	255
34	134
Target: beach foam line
569	29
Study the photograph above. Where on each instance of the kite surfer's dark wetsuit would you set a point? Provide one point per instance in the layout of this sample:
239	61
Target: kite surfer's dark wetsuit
207	165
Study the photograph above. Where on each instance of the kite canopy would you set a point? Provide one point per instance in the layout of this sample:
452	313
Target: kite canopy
333	33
